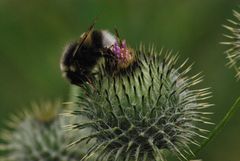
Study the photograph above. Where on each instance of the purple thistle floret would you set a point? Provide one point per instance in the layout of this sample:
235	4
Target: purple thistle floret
116	49
120	50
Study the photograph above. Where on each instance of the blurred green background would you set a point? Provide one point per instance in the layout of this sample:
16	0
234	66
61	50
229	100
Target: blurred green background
33	34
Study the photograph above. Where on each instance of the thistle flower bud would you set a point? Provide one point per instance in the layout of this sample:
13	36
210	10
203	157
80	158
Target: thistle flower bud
233	53
143	114
38	136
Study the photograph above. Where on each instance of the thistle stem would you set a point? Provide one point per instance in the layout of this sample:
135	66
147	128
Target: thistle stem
221	124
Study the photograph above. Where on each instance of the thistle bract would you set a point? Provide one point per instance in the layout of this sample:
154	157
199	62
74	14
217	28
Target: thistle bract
144	113
38	136
233	53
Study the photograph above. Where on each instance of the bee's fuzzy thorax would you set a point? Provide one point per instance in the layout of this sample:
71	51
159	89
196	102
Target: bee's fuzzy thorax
108	39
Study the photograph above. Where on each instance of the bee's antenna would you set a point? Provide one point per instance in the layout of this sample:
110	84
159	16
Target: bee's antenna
84	38
117	35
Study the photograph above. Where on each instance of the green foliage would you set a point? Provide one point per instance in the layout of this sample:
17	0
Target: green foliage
39	136
143	113
34	32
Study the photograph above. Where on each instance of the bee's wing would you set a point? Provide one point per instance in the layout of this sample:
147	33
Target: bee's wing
83	38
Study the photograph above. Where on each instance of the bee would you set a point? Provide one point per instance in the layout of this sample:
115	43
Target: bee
80	57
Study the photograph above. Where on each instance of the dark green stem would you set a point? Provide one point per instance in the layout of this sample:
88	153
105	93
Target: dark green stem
221	124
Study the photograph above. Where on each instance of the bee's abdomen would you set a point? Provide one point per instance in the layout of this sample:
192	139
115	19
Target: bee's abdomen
67	57
76	78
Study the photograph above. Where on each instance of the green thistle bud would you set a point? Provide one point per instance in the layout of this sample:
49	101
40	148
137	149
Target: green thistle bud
233	53
38	136
144	113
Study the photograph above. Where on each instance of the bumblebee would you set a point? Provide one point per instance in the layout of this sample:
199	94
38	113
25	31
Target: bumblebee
80	57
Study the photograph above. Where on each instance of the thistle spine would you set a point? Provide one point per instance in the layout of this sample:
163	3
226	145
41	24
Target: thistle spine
38	135
233	53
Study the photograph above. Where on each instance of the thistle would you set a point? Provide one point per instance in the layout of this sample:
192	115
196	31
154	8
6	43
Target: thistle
38	136
233	53
145	113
